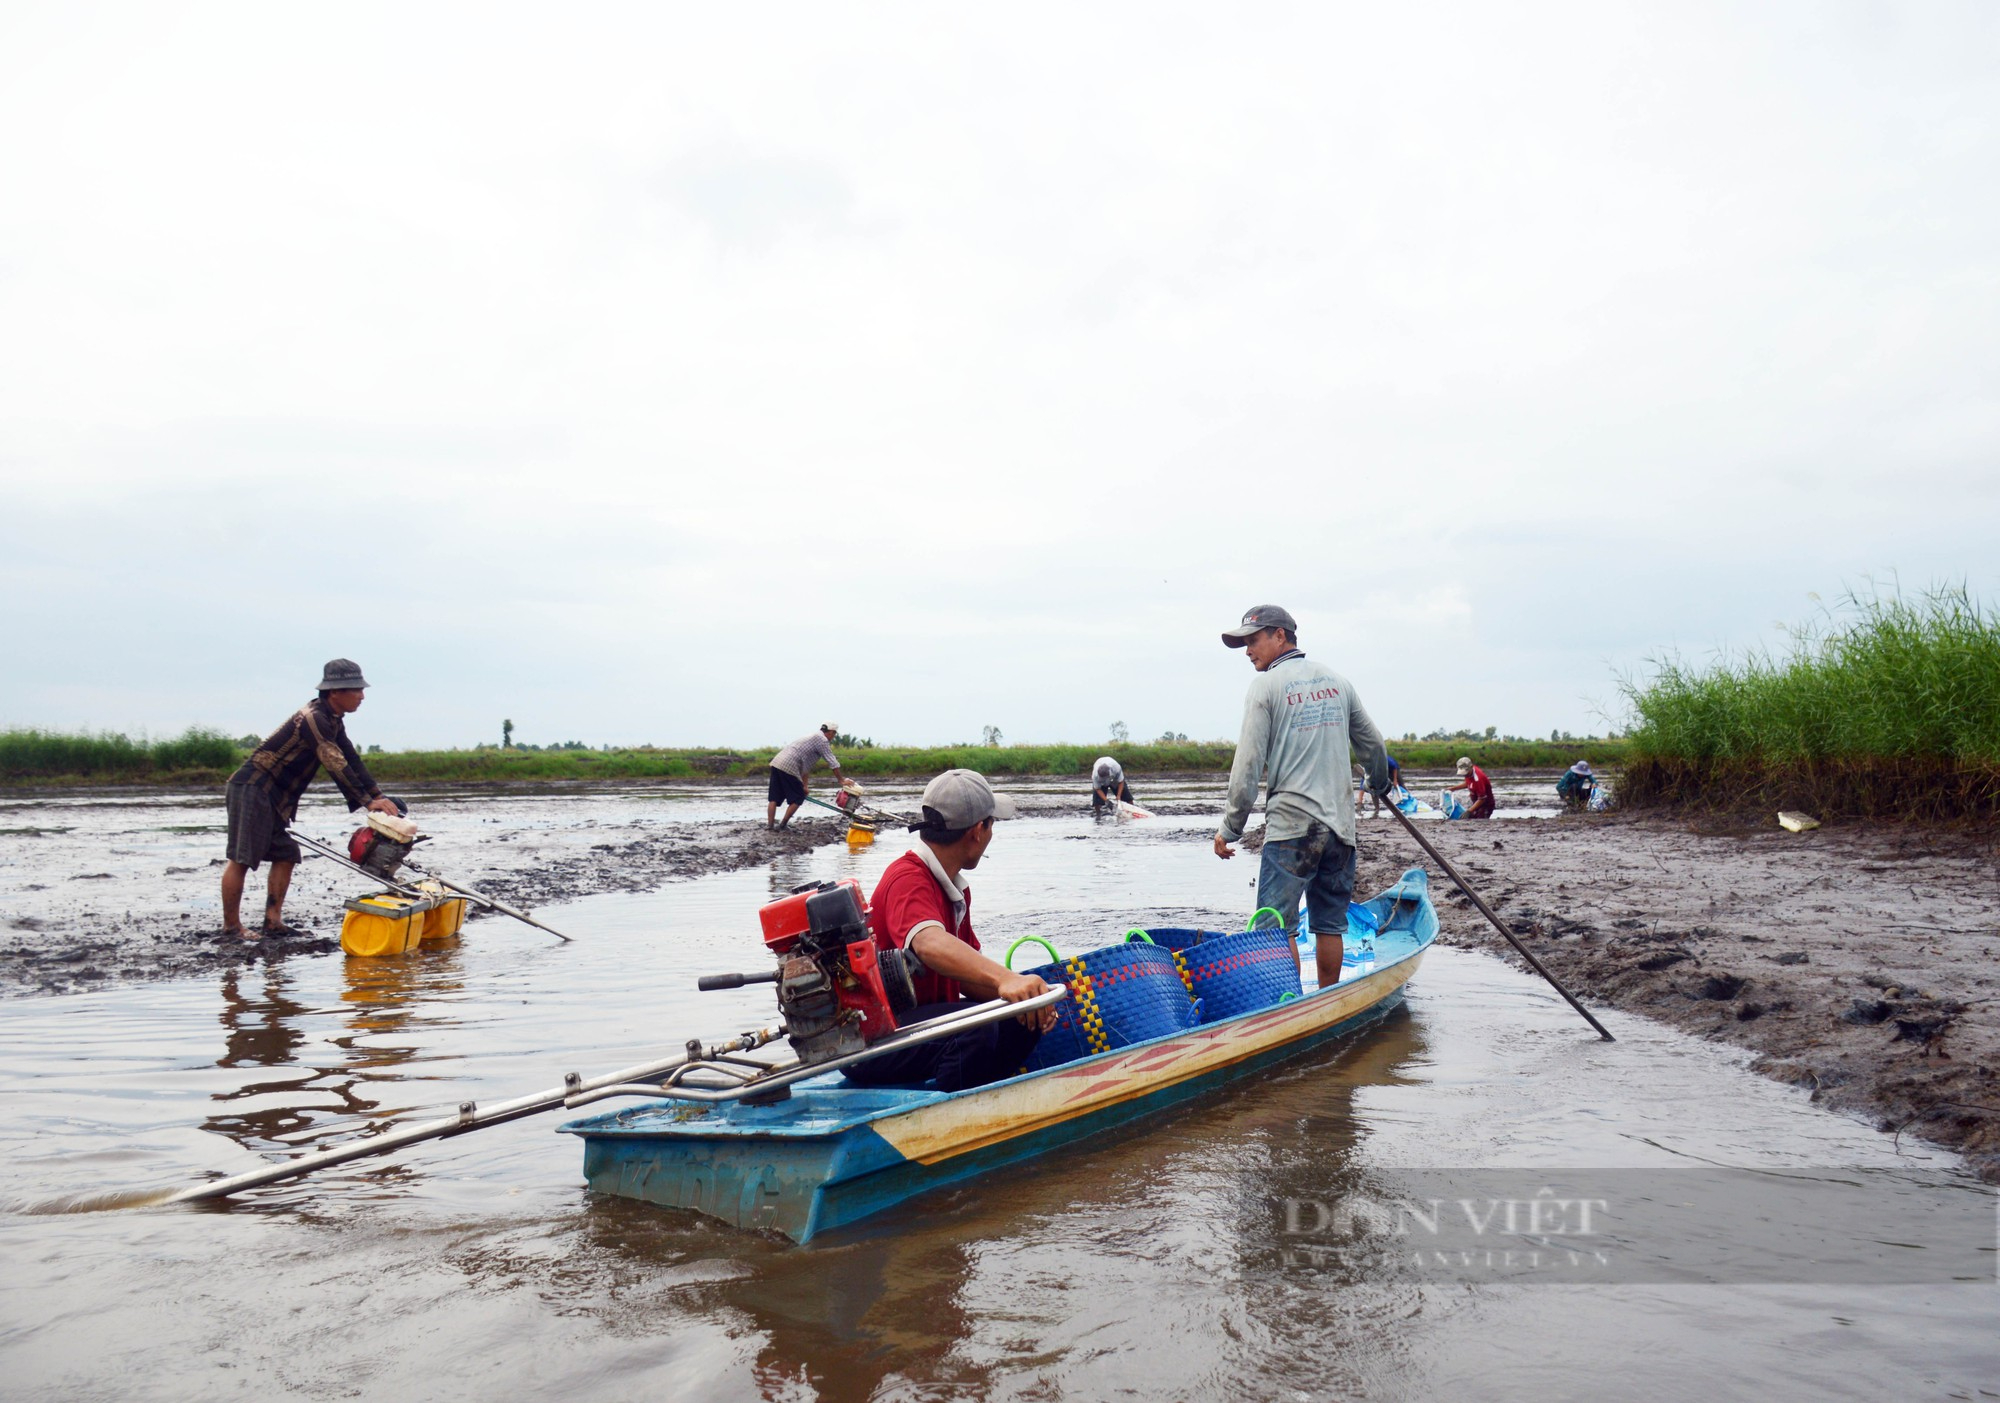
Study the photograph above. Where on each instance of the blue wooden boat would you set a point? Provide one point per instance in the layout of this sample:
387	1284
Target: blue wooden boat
834	1153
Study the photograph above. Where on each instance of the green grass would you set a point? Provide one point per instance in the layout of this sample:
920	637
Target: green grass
1888	707
1507	755
43	757
47	755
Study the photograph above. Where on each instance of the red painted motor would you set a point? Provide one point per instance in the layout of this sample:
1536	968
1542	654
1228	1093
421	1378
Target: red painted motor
837	992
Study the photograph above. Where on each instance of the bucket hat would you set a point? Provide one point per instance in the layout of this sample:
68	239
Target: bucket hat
342	675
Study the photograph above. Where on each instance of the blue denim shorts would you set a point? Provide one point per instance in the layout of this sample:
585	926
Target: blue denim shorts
1317	866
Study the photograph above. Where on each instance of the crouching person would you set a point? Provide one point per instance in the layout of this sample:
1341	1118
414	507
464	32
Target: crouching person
923	904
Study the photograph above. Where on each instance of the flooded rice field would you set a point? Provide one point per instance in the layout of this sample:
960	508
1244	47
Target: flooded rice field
1158	1263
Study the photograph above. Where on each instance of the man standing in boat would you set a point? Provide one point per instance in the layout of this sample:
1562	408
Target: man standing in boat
924	905
789	768
263	795
1304	730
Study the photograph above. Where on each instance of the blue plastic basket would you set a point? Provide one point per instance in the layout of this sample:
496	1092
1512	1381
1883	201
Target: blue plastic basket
1175	938
1119	995
1241	973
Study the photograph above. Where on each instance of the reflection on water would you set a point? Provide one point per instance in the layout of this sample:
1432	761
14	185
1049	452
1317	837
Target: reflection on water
393	1007
1148	1263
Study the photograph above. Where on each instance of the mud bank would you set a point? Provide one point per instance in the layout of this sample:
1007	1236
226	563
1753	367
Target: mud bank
102	889
85	942
1861	963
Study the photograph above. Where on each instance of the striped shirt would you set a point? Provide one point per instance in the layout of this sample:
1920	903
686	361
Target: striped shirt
798	758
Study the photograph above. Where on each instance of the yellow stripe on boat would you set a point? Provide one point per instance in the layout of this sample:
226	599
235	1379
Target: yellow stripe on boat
929	1134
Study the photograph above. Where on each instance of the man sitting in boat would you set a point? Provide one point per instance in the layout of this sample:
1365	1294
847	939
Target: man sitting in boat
1479	789
923	904
1107	785
1304	729
1576	785
263	795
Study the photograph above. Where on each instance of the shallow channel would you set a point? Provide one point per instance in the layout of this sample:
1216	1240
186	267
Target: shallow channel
1151	1263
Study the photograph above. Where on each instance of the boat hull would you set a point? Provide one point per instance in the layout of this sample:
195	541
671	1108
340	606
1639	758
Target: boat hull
836	1154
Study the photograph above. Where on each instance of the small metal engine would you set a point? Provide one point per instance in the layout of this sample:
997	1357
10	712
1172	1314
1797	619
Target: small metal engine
836	990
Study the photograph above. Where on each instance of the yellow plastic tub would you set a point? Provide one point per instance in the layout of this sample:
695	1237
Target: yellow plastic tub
444	920
859	835
383	924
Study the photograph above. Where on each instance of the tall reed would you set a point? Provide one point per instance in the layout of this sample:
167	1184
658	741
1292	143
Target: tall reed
34	754
1887	706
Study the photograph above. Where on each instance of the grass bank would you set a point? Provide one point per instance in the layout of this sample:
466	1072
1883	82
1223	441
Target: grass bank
1887	708
36	756
47	758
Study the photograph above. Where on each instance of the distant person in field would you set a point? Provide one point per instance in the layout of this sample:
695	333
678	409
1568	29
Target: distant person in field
263	794
791	766
1479	788
1304	730
1361	789
1576	785
1107	785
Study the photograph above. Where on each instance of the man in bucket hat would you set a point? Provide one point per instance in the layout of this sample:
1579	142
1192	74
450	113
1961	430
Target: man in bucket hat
263	794
1577	785
923	905
1304	730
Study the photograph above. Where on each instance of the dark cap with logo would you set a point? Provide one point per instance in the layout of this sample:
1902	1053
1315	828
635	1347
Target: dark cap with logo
1255	621
342	675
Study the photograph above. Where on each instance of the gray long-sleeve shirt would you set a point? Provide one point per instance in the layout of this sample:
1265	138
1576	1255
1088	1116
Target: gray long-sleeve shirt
1304	730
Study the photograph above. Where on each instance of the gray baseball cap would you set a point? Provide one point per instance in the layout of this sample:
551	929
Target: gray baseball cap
1255	621
961	798
342	675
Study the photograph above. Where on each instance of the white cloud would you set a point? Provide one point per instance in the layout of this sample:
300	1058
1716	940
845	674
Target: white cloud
670	372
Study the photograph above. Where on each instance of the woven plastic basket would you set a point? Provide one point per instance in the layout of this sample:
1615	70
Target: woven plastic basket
1119	995
1241	973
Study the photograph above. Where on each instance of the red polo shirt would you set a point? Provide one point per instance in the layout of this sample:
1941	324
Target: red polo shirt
1478	786
906	897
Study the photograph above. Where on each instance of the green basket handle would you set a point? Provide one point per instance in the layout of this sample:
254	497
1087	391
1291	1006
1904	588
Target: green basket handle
1288	994
1054	958
1134	936
1252	924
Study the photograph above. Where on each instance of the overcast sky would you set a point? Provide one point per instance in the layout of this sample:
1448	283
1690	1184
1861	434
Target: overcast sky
693	374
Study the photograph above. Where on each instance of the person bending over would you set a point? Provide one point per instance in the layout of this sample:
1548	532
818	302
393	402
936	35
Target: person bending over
924	904
263	794
790	768
1479	789
1107	785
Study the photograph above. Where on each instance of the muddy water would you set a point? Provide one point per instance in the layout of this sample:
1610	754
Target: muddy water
1143	1264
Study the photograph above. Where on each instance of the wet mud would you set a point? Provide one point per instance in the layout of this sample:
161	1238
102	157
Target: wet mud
67	932
1860	963
1857	962
66	928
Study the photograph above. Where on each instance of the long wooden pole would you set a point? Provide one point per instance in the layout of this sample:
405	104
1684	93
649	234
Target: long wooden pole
1498	924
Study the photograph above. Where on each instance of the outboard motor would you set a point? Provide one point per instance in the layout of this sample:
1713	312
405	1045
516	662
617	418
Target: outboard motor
836	991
